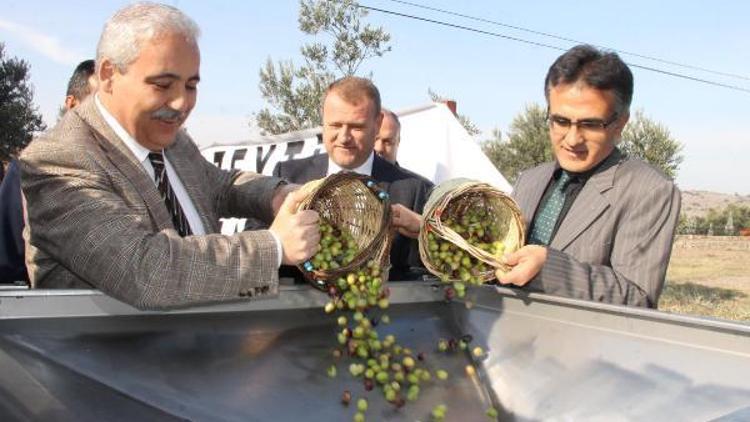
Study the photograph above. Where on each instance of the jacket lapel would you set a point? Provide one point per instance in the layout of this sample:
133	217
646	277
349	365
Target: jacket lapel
381	173
591	202
191	180
123	159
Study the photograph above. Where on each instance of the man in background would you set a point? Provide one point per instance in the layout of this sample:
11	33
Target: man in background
81	84
12	249
389	137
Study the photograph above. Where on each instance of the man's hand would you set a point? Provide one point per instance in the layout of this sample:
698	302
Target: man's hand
406	221
298	231
280	195
526	263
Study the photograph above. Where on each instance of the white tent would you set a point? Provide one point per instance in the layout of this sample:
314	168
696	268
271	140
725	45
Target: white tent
436	145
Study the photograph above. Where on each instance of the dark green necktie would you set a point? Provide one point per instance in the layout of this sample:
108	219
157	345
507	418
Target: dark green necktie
547	217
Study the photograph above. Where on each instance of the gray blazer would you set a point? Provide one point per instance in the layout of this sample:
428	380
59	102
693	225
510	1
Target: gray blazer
614	244
96	219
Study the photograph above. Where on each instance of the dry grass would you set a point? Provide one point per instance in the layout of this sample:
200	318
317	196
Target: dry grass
708	282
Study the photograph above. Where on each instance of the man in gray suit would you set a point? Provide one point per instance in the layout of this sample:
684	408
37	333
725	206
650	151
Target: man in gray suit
600	224
119	197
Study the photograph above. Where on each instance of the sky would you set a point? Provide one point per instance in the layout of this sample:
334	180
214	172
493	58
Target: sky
491	78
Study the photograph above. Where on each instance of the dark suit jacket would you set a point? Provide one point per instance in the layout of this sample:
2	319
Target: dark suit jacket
12	266
404	187
615	241
97	219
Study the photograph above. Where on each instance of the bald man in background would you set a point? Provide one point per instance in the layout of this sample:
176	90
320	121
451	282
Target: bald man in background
389	137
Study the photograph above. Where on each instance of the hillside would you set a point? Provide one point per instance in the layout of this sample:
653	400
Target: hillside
698	202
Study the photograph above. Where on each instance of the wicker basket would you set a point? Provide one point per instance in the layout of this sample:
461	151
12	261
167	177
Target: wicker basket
464	194
353	203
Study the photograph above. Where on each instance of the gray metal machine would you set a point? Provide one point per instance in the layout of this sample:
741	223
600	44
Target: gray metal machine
80	355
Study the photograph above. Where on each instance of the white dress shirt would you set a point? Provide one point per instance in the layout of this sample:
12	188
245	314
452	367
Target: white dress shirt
141	154
364	169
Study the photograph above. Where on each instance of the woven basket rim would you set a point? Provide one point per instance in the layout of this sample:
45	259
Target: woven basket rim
432	222
321	278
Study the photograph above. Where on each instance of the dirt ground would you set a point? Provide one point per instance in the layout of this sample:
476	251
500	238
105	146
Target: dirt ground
709	279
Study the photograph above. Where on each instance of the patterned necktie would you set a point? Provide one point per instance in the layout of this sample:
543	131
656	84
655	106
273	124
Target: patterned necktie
546	220
167	194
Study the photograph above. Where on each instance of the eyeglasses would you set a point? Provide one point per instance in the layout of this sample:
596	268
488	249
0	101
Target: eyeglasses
561	125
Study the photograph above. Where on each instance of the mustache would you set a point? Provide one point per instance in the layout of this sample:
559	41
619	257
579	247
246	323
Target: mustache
167	113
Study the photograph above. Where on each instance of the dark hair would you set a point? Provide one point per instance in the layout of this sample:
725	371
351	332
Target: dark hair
354	89
597	69
78	86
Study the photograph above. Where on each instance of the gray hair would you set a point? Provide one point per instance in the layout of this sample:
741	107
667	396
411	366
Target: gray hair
127	30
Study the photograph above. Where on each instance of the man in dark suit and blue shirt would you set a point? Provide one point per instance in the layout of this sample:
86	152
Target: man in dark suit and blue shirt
12	264
351	120
600	224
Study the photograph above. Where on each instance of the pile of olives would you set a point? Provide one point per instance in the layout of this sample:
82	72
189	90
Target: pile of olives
337	249
358	301
479	228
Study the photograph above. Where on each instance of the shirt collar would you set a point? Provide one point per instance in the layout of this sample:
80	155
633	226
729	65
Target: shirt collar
583	176
364	169
140	152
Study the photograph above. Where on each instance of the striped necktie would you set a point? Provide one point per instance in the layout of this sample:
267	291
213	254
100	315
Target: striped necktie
167	194
546	220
